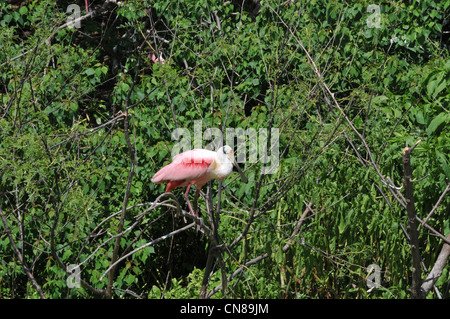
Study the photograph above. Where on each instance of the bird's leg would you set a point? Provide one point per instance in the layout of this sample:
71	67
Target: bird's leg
186	196
197	192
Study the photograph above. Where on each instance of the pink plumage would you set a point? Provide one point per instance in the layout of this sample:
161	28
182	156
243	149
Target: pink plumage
197	167
188	168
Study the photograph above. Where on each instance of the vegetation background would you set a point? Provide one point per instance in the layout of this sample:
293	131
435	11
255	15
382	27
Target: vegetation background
86	118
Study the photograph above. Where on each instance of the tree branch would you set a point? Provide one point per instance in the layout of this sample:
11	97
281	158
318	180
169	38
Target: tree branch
435	206
436	272
411	227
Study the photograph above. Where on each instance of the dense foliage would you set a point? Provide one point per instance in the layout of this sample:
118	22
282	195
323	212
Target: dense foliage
88	115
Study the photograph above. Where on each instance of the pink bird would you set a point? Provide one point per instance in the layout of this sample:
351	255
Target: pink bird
160	59
197	167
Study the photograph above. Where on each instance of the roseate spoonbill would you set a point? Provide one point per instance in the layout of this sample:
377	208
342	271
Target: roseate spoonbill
160	59
197	167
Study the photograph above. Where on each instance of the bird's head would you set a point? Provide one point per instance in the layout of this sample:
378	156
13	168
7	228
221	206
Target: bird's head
226	153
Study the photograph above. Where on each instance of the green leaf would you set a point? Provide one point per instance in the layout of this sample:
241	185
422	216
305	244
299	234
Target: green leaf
23	10
444	164
89	71
436	84
379	99
342	225
419	117
437	121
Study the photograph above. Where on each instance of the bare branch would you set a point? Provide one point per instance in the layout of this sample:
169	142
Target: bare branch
436	272
411	227
436	205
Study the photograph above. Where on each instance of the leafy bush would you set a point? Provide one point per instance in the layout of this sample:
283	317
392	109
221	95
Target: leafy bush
87	118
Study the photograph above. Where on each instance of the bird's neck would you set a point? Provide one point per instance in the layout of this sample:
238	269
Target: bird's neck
221	169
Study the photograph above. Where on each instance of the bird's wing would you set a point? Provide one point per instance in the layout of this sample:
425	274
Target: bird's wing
187	166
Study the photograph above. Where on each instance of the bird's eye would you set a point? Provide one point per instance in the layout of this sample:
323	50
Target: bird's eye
224	150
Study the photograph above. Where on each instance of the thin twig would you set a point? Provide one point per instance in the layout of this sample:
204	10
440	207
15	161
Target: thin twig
436	205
